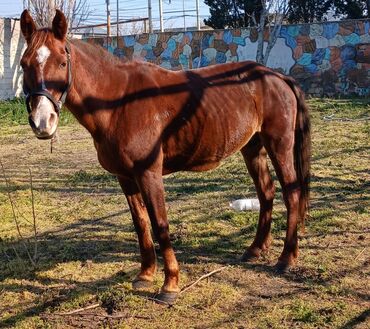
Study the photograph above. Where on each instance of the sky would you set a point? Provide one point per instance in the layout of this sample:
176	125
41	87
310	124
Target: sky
172	9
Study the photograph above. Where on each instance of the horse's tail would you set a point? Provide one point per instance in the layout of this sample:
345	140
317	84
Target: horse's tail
302	149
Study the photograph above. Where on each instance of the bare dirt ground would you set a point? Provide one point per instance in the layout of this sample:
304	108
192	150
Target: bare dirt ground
87	251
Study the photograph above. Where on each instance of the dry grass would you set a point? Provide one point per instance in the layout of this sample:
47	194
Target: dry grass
88	252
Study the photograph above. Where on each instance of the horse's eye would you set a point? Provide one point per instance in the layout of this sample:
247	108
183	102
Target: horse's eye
23	66
63	65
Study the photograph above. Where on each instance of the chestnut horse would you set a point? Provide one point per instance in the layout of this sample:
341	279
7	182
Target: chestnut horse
147	122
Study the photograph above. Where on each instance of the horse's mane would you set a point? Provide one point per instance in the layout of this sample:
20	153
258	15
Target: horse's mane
97	51
44	35
94	50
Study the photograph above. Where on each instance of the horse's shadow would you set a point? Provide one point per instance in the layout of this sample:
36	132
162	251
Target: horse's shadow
59	247
70	243
77	242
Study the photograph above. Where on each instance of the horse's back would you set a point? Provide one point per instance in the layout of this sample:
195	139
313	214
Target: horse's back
225	107
201	116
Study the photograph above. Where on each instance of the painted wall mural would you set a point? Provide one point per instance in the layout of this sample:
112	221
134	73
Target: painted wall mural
327	59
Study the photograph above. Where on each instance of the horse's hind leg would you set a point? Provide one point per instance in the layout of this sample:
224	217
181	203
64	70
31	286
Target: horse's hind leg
255	158
141	222
280	148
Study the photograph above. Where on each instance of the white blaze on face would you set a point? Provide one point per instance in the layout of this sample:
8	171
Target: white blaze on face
44	116
43	54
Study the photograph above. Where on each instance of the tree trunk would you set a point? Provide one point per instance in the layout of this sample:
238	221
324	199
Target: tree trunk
260	29
272	40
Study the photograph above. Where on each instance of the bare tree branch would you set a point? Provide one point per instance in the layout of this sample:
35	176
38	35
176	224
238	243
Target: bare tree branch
271	19
76	11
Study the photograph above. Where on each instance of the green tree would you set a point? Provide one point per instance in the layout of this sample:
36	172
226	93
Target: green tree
308	11
352	9
263	15
245	13
233	13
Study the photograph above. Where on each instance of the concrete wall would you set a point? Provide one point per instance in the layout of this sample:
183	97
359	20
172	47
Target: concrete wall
11	49
327	59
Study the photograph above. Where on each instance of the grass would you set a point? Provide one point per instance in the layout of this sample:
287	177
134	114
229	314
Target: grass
88	251
14	112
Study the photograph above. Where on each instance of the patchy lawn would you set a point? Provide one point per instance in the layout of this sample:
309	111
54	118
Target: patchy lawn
87	251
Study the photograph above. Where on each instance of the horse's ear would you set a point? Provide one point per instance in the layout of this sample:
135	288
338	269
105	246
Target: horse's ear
59	25
28	25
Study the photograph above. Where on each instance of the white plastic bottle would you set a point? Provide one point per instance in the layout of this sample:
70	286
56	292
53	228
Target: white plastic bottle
245	204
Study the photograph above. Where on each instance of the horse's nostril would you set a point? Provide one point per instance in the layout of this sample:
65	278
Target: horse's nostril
52	119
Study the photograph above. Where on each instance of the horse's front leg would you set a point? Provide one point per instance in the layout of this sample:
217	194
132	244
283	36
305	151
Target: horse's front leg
151	186
141	222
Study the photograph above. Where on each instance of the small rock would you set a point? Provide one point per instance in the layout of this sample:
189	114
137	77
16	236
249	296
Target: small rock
87	263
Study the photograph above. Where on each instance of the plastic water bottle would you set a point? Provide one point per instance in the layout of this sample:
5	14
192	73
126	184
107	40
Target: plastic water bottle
245	204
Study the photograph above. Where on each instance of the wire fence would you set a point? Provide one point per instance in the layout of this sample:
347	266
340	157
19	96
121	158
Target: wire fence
136	17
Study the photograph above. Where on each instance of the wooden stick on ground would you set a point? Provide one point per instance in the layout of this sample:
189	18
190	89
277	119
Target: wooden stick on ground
203	277
100	316
360	253
79	310
151	298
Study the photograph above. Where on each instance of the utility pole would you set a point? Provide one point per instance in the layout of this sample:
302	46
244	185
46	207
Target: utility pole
183	13
108	21
117	21
197	9
161	15
150	16
50	11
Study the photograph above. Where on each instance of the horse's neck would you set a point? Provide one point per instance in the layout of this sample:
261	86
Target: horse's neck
95	89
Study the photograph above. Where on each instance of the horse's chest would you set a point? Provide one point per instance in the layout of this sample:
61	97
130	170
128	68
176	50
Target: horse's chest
109	158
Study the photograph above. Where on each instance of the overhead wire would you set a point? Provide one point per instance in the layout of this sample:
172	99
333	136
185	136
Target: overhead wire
129	9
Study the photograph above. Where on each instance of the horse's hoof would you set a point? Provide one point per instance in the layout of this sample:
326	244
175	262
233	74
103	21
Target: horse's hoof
248	257
141	284
167	297
282	268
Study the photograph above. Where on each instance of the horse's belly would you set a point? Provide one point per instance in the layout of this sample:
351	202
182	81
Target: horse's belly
223	134
204	153
181	164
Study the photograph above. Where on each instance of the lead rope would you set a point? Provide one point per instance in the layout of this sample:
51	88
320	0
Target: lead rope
54	140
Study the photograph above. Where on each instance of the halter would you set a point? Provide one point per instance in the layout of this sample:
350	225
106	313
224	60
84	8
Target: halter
44	92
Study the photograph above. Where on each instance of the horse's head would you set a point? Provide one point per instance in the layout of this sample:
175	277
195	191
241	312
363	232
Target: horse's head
46	72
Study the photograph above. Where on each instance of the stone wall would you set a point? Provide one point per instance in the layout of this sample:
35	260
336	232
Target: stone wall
11	49
327	59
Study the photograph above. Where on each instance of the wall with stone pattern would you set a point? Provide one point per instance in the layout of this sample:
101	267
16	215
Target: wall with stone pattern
327	59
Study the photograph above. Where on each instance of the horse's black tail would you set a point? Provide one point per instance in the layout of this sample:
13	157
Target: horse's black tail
302	149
